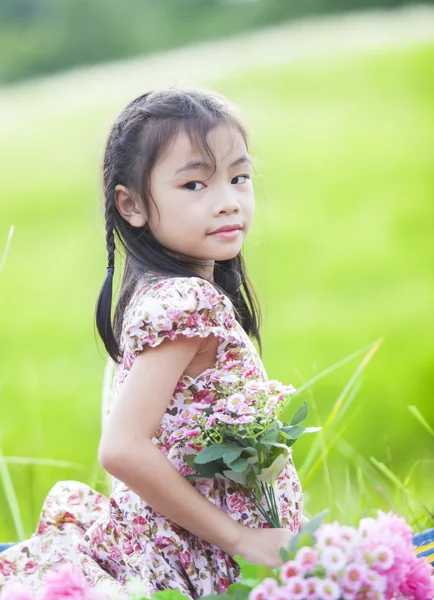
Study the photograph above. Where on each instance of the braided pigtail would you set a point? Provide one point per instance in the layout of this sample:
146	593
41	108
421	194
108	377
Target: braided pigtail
104	304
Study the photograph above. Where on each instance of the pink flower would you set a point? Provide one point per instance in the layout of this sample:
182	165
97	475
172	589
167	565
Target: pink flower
140	524
179	434
97	535
42	528
224	418
30	567
289	570
236	503
312	587
245	419
223	584
296	588
115	553
382	558
353	577
204	397
332	559
6	567
328	535
127	547
266	589
307	558
185	559
220	405
16	591
246	410
162	542
210	421
65	582
366	526
375	581
328	590
235	402
419	580
193	432
186	470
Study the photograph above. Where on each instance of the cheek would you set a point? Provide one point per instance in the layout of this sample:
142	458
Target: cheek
249	208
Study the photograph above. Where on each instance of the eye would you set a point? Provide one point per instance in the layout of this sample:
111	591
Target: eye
192	183
245	177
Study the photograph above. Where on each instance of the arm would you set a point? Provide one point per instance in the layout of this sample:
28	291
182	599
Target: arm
127	452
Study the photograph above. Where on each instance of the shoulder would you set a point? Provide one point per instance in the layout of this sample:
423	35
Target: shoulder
168	307
187	292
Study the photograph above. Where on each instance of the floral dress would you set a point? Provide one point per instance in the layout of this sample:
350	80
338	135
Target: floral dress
116	539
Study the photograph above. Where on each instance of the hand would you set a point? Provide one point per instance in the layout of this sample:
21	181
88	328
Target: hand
262	546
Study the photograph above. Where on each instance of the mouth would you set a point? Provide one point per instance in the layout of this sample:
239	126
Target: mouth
227	229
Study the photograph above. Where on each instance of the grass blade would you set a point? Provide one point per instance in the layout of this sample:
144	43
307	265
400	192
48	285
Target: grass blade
6	250
42	462
11	497
419	416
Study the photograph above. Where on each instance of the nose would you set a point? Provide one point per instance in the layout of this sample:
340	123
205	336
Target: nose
227	202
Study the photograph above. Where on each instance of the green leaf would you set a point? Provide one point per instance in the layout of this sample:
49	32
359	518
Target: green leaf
189	459
294	431
270	474
271	435
232	453
305	536
253	573
290	442
250	476
250	450
258	492
239	591
169	595
300	414
208	470
276	445
210	453
239	465
284	555
234	476
314	523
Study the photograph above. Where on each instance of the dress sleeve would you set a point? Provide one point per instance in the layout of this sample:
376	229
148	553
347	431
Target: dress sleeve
188	306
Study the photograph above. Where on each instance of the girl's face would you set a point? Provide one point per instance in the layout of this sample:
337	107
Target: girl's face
192	205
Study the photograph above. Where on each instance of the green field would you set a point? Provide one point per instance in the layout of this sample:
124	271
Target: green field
341	254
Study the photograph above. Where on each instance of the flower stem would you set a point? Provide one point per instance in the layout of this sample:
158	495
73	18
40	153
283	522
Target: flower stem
268	493
266	516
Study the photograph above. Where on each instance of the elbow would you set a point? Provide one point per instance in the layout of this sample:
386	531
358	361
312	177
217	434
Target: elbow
111	458
119	457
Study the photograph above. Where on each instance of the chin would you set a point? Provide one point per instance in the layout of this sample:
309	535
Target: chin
228	255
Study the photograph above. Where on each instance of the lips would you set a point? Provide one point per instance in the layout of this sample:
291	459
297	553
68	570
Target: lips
227	228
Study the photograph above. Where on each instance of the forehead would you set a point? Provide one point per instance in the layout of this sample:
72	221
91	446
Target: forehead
224	142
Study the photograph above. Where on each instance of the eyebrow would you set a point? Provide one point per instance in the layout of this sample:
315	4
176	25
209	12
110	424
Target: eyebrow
195	165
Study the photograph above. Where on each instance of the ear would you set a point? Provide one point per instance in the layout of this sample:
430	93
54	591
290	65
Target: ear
130	208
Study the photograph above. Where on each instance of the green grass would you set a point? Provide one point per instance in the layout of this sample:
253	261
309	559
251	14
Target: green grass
341	253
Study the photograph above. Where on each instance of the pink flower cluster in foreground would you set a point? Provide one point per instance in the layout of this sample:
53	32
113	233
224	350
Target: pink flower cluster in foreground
374	562
61	583
252	405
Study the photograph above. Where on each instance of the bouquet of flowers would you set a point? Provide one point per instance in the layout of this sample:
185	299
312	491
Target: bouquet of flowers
241	437
375	561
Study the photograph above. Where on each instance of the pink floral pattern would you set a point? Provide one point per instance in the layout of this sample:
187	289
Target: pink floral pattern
114	539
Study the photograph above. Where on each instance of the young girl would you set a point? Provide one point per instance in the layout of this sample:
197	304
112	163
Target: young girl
179	195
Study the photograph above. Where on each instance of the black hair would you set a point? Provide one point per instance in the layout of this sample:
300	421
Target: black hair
138	137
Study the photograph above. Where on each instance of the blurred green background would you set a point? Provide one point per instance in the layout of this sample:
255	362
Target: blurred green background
341	251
